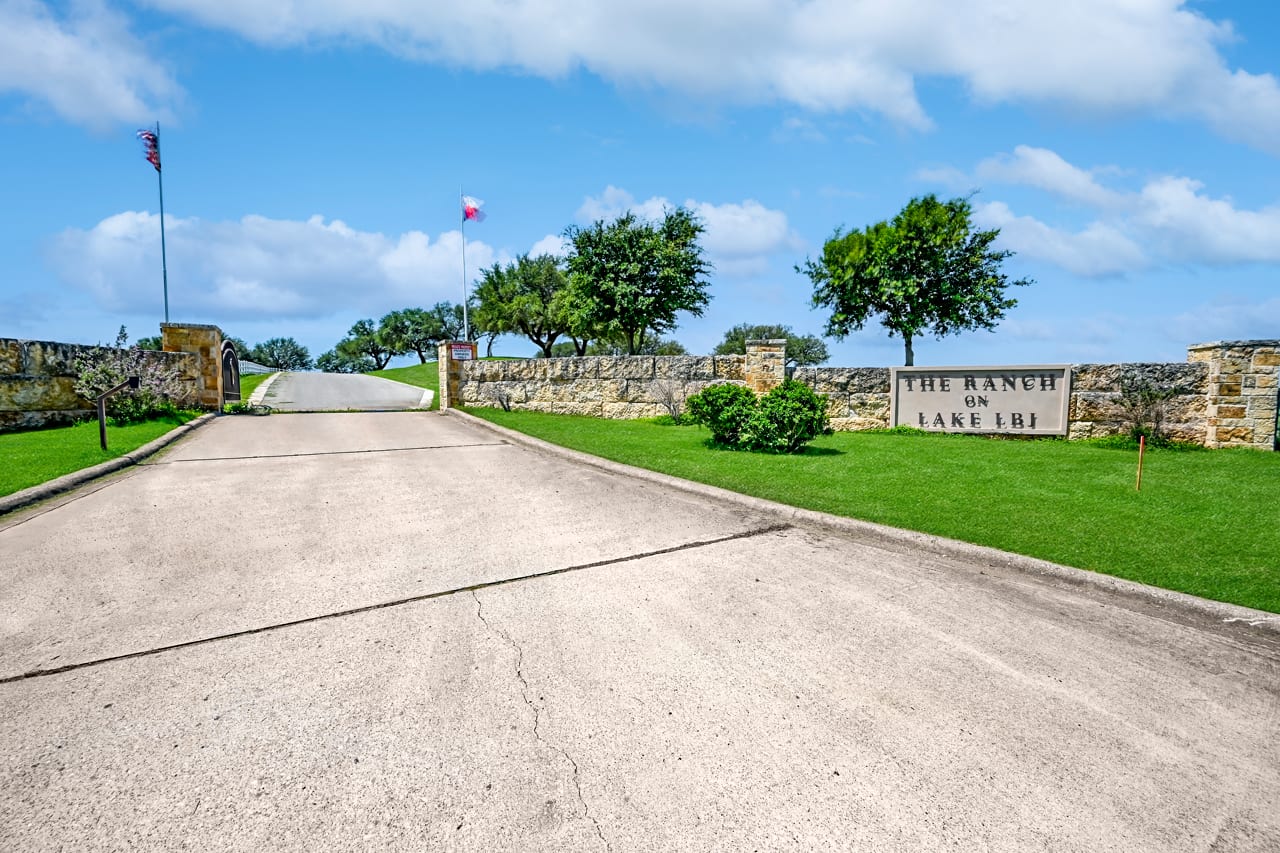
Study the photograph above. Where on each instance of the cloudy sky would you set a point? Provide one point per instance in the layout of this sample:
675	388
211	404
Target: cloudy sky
314	150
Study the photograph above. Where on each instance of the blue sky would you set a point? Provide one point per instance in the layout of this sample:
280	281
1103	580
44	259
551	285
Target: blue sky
313	154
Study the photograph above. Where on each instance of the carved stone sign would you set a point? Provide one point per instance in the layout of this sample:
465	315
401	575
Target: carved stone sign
1023	400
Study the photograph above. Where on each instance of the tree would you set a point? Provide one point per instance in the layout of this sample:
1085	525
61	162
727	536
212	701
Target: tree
337	360
449	316
366	339
412	330
632	277
802	350
153	342
528	297
927	270
282	354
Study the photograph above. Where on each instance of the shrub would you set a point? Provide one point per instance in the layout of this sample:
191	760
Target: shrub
162	391
783	421
786	419
1142	406
724	409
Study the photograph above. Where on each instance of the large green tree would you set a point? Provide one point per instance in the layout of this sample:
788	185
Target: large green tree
632	277
366	339
282	354
413	330
529	297
927	270
802	350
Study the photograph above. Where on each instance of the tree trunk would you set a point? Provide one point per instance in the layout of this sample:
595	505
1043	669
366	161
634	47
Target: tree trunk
911	354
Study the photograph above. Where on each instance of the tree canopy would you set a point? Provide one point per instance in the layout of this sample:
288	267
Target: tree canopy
632	277
529	297
281	353
802	350
927	270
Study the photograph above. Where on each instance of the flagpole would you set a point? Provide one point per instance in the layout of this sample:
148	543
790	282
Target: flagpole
466	327
164	264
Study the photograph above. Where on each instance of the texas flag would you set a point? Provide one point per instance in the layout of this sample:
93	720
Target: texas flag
471	209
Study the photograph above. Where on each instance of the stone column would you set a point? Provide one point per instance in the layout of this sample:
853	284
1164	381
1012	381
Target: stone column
205	343
766	366
451	357
1242	394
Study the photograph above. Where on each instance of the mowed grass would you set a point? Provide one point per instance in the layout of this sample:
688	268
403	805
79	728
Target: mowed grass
250	382
1205	523
30	458
421	375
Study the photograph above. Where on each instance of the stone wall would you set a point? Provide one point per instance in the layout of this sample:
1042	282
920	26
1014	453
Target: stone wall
1226	392
37	382
609	387
205	343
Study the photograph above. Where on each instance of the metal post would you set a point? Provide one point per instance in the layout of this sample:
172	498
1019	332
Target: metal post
133	382
466	329
164	264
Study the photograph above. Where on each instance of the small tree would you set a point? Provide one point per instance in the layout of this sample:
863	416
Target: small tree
1142	405
413	330
282	354
632	277
366	339
927	270
802	350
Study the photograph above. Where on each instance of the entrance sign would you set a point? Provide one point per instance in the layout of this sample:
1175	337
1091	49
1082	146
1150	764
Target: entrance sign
462	352
1022	400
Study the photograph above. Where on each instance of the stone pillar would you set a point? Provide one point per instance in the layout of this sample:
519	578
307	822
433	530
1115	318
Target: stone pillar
205	343
452	355
1242	394
766	366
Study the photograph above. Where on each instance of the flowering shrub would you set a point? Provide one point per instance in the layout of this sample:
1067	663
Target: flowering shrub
162	390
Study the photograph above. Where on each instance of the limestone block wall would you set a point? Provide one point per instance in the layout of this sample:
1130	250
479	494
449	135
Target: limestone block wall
37	382
857	397
609	387
1242	392
1095	393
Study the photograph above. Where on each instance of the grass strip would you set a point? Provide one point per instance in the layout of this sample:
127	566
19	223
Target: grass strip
249	383
1205	523
31	458
421	375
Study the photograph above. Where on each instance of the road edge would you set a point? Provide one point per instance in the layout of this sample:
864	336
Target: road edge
1218	611
74	480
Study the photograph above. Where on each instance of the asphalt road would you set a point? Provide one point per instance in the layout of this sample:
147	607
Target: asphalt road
396	631
320	392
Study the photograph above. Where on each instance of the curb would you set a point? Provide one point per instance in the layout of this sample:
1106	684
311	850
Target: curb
1217	611
67	482
259	393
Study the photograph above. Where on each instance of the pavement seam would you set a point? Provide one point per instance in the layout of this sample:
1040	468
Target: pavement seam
869	533
398	602
537	716
331	453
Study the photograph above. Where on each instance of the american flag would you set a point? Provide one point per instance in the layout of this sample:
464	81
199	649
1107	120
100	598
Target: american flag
151	141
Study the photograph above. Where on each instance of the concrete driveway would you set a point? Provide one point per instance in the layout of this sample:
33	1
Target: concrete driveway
321	392
397	631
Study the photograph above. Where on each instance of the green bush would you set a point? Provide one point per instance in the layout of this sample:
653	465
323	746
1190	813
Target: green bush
786	419
161	392
783	421
724	409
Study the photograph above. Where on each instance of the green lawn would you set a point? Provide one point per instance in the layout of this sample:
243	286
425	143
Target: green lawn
1205	523
249	383
41	455
422	375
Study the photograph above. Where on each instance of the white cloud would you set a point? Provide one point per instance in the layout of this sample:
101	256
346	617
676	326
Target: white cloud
86	65
1098	250
1155	57
1169	220
259	268
1228	318
1044	169
739	237
552	244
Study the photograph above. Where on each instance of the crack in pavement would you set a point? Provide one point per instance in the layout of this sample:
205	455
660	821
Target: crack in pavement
398	602
537	717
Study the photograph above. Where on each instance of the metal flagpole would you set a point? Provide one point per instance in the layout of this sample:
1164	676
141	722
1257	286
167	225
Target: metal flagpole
164	264
466	327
